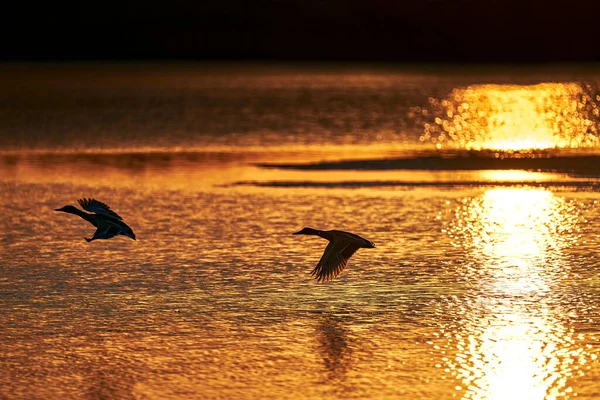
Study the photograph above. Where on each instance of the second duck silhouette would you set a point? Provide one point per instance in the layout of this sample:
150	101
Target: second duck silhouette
342	245
107	222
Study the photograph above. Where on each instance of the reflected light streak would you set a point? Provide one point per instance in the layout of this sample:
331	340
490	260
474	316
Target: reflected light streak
514	342
518	176
512	117
521	117
517	226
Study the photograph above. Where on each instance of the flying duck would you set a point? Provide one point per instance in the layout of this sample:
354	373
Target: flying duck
342	245
107	222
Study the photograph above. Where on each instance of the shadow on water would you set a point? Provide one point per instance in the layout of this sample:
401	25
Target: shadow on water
109	383
334	347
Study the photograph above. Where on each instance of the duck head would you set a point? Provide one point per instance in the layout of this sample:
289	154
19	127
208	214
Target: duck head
68	209
307	231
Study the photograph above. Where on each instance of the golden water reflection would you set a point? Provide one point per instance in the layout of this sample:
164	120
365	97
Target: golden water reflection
512	117
516	339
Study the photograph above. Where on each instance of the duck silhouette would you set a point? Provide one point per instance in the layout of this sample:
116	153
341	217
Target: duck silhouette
342	245
107	222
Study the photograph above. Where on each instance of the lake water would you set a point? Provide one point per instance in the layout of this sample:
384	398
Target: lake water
483	285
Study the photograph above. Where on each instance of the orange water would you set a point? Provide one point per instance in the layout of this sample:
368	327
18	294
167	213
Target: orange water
468	290
481	290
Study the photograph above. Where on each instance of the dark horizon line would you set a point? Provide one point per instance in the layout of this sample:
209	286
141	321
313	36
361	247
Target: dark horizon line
300	60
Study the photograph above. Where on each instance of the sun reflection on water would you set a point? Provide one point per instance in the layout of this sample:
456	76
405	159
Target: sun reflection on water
512	117
515	339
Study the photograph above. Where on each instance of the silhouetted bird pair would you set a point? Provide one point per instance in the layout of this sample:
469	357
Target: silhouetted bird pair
342	245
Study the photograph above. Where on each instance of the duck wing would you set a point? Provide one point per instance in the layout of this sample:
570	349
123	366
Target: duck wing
98	207
334	259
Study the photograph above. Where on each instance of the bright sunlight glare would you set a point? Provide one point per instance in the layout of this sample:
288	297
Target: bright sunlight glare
512	117
513	344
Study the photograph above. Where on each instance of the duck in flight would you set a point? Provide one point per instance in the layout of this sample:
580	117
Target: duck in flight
107	222
342	245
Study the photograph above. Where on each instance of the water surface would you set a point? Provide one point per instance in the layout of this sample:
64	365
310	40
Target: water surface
483	284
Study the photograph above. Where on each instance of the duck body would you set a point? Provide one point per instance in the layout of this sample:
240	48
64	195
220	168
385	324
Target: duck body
107	222
342	245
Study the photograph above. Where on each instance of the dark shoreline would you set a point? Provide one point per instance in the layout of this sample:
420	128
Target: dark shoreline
572	185
573	164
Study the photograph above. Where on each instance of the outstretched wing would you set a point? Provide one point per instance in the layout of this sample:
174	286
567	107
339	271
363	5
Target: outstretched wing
334	259
98	207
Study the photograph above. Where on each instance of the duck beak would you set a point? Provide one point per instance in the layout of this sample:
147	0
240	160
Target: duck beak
296	233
